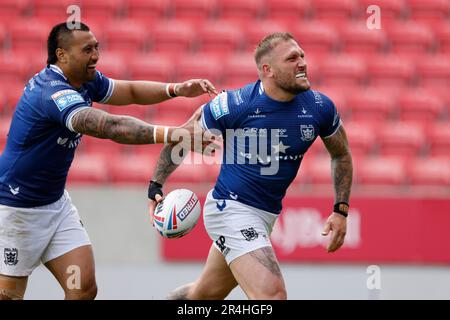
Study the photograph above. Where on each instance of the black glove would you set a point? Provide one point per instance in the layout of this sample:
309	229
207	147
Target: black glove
154	188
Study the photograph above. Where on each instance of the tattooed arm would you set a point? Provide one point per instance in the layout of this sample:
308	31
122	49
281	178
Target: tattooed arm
167	163
342	172
341	164
121	129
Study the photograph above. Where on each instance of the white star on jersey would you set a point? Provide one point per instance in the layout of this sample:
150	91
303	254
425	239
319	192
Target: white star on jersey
280	148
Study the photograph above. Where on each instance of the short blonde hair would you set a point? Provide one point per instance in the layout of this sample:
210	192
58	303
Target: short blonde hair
269	42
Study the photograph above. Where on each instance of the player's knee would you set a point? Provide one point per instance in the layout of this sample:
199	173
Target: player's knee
277	292
88	292
6	294
210	292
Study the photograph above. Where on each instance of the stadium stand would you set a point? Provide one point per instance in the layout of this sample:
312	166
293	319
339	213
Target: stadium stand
390	85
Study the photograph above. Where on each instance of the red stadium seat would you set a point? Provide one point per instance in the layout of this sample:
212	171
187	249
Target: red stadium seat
193	11
336	95
434	70
13	67
5	123
287	10
87	168
29	34
342	70
133	110
381	171
133	168
3	107
429	10
112	65
189	171
105	147
11	10
126	36
239	70
255	32
430	171
144	10
101	10
199	66
13	92
391	10
53	11
316	38
390	71
154	67
181	107
442	33
420	105
238	11
400	139
357	38
370	105
334	11
2	37
439	139
172	38
361	137
220	38
410	38
318	169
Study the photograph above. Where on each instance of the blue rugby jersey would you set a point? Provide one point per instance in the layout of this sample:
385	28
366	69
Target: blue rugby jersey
41	142
283	130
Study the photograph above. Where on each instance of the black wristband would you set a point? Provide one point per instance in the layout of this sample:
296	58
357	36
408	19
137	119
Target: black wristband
154	188
341	208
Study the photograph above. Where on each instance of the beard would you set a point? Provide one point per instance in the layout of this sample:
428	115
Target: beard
292	87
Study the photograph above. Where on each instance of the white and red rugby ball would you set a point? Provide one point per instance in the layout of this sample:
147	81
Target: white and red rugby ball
177	214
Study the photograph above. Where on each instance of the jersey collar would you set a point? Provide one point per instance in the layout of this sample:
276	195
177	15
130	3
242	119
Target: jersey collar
57	69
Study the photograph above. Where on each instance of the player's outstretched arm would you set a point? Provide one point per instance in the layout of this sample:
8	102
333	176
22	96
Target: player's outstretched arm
342	172
172	156
121	129
149	92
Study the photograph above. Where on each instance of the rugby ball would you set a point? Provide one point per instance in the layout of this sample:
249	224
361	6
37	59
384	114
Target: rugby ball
177	214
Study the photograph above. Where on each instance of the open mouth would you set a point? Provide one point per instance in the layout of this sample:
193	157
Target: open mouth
301	75
91	67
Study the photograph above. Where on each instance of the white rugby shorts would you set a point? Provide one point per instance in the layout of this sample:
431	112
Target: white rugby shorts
29	236
237	228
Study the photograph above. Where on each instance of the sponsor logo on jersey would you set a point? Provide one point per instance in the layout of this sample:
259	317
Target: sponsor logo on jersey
66	98
222	205
257	114
219	106
307	132
221	245
252	132
304	114
281	133
14	191
69	143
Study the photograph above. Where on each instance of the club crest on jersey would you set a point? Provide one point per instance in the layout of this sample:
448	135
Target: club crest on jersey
307	132
219	106
66	98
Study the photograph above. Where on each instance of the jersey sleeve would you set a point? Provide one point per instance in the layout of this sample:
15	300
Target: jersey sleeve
100	89
216	113
330	120
61	103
